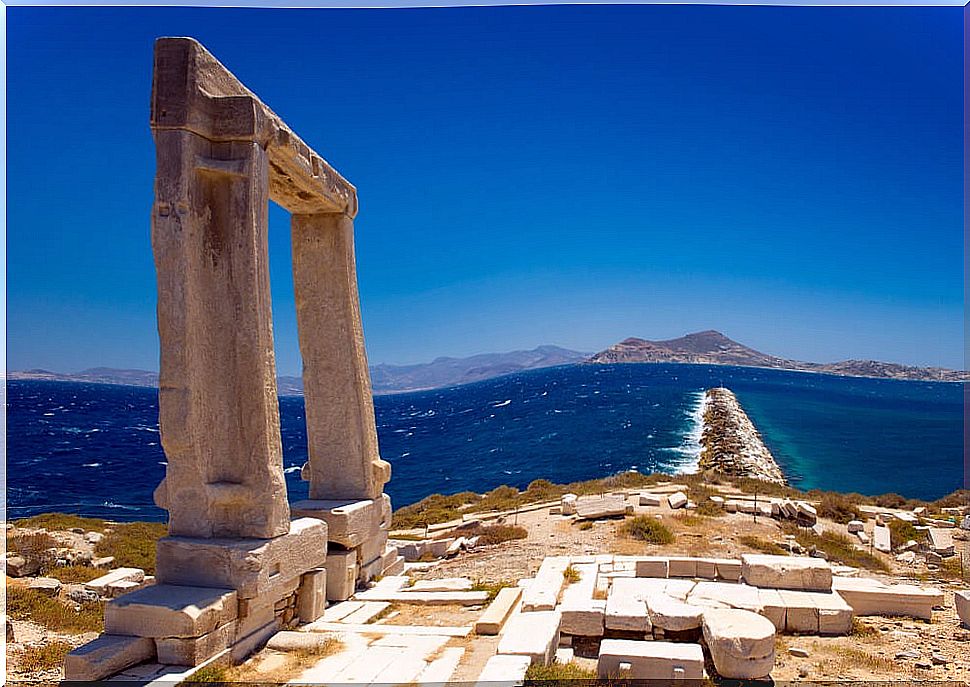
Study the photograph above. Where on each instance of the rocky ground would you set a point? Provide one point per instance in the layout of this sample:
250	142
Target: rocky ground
878	649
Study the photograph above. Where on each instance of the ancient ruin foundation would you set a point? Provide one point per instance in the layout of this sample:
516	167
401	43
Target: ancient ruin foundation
237	566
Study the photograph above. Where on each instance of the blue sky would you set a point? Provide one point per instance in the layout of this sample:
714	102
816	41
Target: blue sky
527	175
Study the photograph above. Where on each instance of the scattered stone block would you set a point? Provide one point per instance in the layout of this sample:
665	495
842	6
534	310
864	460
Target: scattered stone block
367	612
863	537
732	505
652	566
116	589
668	613
627	614
962	601
740	596
773	607
494	617
940	541
102	562
677	500
349	522
728	569
911	518
534	634
682	567
542	594
741	643
105	656
652	500
341	567
650	660
93	537
786	572
252	567
806	512
706	568
872	597
448	584
48	586
191	651
568	504
164	610
100	584
584	617
816	613
18	566
311	598
595	507
855	526
504	670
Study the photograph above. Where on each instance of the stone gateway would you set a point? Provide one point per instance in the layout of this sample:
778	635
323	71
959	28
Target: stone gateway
236	566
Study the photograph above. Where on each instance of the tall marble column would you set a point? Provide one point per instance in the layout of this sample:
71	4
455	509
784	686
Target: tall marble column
218	406
344	463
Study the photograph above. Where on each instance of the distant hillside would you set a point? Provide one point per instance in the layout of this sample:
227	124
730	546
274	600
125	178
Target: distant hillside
385	378
713	348
443	372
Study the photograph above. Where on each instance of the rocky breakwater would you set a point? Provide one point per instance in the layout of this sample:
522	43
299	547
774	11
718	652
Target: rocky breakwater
730	443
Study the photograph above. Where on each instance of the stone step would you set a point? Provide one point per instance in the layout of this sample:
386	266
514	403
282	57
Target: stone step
494	617
534	634
377	629
636	660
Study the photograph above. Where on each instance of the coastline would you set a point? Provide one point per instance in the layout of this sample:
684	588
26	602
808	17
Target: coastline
731	444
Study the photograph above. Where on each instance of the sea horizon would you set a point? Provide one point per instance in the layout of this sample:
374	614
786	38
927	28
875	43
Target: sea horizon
102	455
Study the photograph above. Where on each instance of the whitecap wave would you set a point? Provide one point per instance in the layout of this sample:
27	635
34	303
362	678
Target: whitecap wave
690	447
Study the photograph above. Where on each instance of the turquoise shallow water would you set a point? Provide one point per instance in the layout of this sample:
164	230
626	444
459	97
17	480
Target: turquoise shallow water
94	449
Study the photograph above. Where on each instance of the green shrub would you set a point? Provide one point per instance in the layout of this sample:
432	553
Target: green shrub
709	509
901	532
838	508
496	534
648	529
559	672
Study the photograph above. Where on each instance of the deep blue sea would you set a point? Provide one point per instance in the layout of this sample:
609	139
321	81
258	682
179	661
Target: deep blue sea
94	449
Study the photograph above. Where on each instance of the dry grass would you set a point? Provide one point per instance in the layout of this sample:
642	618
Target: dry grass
585	525
496	534
492	588
133	544
27	604
689	519
838	548
295	662
570	575
761	545
648	529
49	656
838	508
75	573
901	532
61	521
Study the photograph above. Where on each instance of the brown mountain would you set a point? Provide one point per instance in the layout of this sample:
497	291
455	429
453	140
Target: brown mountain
713	348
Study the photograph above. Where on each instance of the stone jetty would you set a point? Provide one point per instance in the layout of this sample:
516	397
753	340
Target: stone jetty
730	443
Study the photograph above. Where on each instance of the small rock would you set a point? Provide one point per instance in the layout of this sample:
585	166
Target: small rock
798	651
104	562
77	530
93	537
933	558
820	554
923	665
803	672
10	634
19	566
82	596
906	655
47	586
938	658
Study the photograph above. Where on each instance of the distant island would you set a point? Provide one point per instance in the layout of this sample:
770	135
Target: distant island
385	379
700	348
713	348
